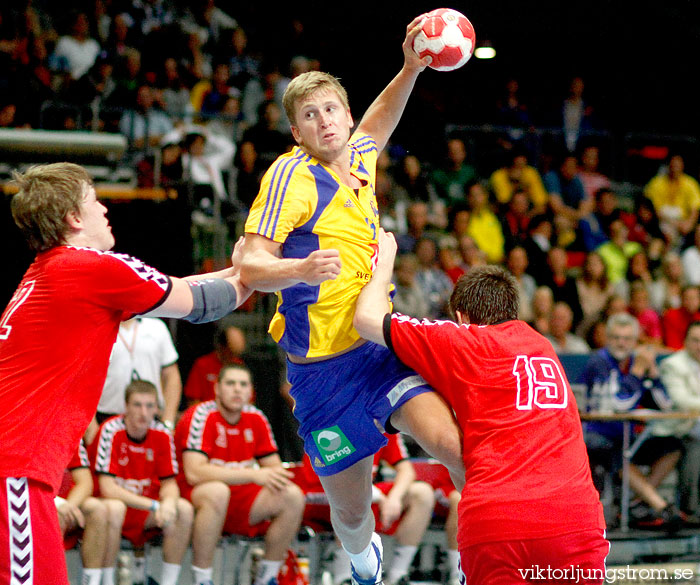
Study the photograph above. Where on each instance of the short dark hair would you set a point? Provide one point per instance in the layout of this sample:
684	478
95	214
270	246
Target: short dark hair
486	295
226	367
140	387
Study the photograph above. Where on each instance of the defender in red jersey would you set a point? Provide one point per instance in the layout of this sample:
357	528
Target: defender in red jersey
96	522
232	474
56	336
134	459
530	499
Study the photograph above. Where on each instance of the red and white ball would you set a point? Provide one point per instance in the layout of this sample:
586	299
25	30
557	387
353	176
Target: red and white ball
448	37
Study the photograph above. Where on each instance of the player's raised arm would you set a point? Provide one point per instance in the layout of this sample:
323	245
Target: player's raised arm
262	268
373	304
384	114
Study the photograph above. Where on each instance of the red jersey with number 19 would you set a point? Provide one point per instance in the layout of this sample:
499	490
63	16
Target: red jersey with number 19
56	336
527	471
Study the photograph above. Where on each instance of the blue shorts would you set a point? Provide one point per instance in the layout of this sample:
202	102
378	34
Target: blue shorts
343	404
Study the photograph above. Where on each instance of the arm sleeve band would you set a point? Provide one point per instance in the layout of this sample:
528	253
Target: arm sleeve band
213	299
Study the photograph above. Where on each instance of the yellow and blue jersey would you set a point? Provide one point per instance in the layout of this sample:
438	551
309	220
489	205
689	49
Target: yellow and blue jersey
304	206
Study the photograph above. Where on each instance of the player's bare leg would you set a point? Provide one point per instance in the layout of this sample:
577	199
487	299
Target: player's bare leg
210	501
429	420
284	508
94	544
116	511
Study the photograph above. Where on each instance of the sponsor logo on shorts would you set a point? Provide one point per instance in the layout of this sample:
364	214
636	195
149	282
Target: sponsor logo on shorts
332	444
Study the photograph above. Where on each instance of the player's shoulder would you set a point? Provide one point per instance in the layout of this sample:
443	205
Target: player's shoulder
92	259
252	412
289	164
362	143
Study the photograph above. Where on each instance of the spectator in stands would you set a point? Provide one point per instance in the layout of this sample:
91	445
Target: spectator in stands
152	15
134	459
144	350
76	51
452	177
208	22
97	521
617	379
229	122
174	91
483	225
512	112
470	253
517	262
691	259
637	269
518	175
417	223
538	244
644	227
409	298
595	227
457	225
560	336
592	179
650	330
265	135
233	475
229	347
434	283
121	36
576	114
562	283
170	173
680	374
269	86
244	65
515	220
128	77
250	170
593	286
617	251
567	195
676	321
415	185
450	261
211	94
676	197
145	125
666	290
542	306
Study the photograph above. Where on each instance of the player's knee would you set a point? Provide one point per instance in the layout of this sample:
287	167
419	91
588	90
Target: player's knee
185	512
421	495
96	512
454	499
116	512
213	495
293	498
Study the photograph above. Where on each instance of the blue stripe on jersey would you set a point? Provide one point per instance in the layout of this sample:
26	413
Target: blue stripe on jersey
299	244
365	140
271	202
284	191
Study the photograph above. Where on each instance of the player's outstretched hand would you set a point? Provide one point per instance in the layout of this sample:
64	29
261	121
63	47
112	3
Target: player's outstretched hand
411	58
319	266
387	253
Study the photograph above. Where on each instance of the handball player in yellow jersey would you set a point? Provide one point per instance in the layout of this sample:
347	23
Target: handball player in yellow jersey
311	236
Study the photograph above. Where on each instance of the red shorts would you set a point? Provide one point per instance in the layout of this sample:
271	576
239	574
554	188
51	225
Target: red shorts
31	547
239	506
569	559
134	527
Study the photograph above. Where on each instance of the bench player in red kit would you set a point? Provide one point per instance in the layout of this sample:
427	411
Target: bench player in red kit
530	503
233	475
56	336
97	523
134	459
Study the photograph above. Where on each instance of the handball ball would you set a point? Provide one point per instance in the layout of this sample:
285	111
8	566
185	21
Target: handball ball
448	37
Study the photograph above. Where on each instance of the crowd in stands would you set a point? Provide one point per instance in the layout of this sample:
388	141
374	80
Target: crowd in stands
597	273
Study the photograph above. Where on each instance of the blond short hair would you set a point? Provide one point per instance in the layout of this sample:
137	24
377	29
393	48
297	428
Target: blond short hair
305	84
47	194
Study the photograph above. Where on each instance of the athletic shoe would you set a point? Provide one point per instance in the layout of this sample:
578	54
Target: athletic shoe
377	578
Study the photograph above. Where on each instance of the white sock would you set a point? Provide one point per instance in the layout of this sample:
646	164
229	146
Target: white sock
92	576
453	562
403	557
138	569
170	574
341	566
366	563
267	570
201	576
108	575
